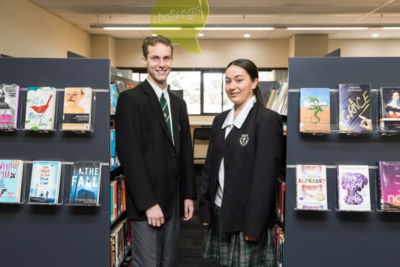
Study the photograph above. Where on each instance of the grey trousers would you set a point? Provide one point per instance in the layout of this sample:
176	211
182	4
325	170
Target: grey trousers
153	246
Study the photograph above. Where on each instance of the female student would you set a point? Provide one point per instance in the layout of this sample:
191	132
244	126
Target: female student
238	181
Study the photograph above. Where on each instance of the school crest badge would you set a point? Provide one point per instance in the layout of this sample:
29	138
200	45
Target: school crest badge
244	139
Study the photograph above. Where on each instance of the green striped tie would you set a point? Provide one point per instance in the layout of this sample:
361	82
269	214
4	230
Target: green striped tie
164	107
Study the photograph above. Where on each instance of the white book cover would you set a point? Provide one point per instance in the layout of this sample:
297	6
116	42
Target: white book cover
353	187
311	192
40	108
45	182
77	110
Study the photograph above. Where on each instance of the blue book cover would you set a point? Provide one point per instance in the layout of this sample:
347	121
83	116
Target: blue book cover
113	162
85	183
45	182
113	98
315	115
10	180
355	108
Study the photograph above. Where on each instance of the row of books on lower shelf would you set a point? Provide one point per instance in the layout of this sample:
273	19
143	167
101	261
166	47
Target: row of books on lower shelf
114	161
117	198
46	182
279	244
37	110
120	243
353	187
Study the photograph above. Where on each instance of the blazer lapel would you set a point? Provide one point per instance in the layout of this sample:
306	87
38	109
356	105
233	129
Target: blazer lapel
175	118
156	107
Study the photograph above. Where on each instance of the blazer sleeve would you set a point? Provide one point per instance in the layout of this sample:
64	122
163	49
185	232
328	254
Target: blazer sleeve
190	191
205	199
128	139
267	163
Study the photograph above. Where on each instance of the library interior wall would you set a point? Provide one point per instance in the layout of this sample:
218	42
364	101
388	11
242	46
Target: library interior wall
103	46
28	30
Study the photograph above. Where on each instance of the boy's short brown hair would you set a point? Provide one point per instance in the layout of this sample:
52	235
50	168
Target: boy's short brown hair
152	40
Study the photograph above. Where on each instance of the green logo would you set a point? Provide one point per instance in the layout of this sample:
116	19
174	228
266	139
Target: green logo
180	21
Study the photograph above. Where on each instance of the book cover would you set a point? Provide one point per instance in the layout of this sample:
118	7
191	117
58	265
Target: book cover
113	163
40	108
9	96
355	108
389	178
390	109
11	172
45	182
311	192
315	114
85	183
353	187
113	99
77	108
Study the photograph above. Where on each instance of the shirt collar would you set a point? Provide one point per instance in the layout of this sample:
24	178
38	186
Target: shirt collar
238	122
158	90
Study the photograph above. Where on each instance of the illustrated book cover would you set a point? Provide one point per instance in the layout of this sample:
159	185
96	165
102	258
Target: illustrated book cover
389	184
315	115
390	109
77	112
355	108
40	108
11	172
311	190
45	182
113	98
353	186
85	183
9	97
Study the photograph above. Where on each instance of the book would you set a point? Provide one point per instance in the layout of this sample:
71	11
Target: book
311	192
45	182
40	108
353	188
113	162
113	99
11	172
77	111
85	183
390	109
389	184
9	96
120	86
315	115
355	108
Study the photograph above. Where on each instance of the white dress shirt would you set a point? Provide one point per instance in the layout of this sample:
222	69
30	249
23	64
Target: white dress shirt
228	124
158	92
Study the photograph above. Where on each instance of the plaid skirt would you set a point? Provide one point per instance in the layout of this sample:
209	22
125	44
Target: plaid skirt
232	250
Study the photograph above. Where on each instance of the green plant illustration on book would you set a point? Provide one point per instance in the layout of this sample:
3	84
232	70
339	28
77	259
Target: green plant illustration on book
317	108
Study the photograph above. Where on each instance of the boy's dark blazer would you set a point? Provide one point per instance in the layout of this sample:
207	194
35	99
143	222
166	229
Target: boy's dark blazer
252	158
154	165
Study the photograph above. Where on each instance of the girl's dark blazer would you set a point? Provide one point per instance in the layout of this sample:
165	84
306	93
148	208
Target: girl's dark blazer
253	158
154	165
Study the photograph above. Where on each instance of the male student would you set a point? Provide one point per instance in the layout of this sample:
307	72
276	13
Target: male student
155	149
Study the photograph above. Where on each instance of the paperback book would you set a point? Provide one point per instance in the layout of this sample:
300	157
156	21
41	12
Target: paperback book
353	188
11	172
113	99
9	95
85	183
40	108
315	115
45	182
389	178
390	109
311	192
355	108
77	108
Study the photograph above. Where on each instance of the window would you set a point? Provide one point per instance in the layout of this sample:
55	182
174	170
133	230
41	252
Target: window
190	83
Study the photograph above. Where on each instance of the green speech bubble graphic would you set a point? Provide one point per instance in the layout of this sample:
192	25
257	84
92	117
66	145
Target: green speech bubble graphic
180	21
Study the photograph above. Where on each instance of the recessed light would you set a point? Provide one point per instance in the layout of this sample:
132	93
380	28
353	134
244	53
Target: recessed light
153	34
200	34
326	28
375	35
246	35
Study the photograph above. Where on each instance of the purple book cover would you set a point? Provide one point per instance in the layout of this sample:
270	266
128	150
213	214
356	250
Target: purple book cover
389	175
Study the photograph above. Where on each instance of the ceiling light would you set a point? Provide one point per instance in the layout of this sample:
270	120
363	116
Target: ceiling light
326	28
153	34
120	28
390	28
236	28
375	35
200	34
246	35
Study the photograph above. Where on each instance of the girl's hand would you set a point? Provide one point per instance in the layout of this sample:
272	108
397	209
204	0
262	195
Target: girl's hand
206	223
250	238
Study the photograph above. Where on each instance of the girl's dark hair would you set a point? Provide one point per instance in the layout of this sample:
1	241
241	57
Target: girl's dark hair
252	70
